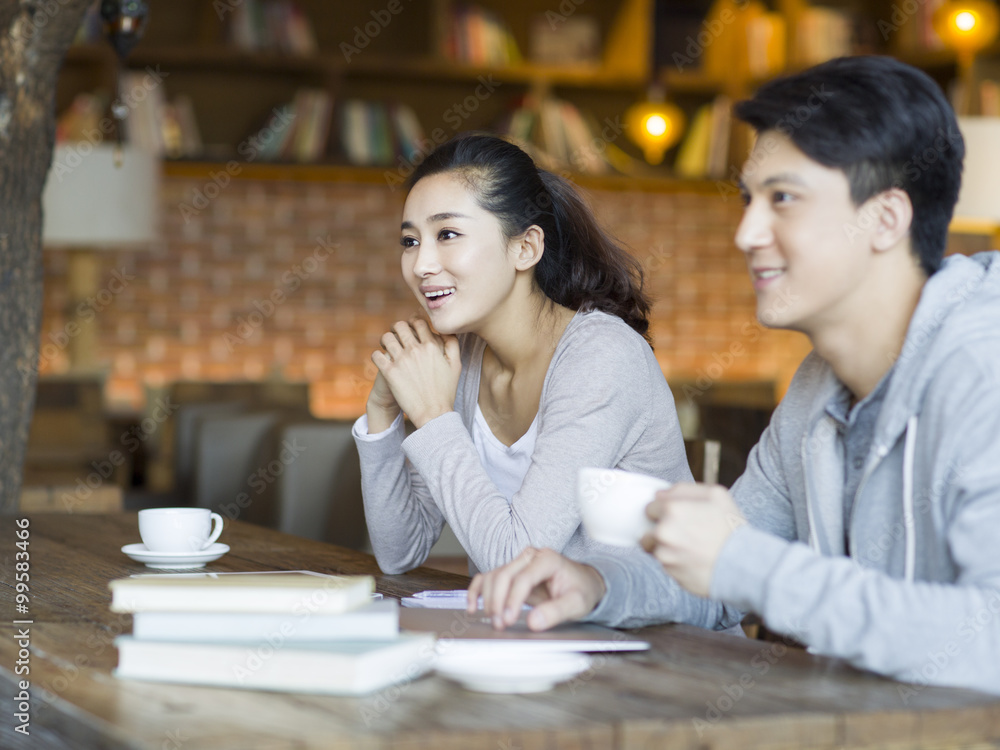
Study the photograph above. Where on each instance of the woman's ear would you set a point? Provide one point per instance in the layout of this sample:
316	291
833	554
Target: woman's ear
895	217
529	248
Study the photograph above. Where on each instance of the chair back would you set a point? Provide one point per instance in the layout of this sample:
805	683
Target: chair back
704	457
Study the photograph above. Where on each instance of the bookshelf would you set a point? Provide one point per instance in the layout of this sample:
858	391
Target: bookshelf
707	55
388	52
393	53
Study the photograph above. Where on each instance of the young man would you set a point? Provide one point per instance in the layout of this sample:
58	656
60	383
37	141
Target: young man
867	524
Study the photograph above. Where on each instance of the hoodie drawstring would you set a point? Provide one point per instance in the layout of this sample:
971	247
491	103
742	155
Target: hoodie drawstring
909	523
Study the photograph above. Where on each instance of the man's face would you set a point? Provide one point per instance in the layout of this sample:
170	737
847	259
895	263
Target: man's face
807	245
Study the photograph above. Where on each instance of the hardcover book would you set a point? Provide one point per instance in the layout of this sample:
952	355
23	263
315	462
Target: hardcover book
378	620
277	591
333	668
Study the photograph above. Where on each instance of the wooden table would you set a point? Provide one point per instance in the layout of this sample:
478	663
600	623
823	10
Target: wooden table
695	689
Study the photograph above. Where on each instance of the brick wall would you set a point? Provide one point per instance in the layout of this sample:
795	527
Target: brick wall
297	280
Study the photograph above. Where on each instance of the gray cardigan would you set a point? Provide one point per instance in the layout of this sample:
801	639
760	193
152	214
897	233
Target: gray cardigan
604	403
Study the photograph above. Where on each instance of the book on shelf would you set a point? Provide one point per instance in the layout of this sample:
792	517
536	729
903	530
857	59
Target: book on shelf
312	109
569	40
377	620
692	155
766	44
271	26
557	135
297	130
822	34
154	123
704	152
281	128
144	123
989	98
718	142
478	37
275	591
378	133
333	667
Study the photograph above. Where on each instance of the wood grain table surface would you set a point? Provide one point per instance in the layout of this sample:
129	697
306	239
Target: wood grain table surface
694	689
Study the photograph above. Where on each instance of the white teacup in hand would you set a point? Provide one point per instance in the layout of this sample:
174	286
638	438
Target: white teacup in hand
178	529
613	504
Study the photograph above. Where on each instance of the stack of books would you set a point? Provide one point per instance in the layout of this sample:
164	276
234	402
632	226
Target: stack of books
293	631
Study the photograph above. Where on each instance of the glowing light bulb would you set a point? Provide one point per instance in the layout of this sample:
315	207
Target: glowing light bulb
656	125
965	21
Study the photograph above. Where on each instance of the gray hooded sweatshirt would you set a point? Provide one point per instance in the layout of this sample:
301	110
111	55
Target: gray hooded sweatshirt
915	594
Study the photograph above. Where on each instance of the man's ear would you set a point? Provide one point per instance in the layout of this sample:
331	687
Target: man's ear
894	219
529	248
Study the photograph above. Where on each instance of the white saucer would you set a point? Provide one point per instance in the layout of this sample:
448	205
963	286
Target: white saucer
139	553
503	671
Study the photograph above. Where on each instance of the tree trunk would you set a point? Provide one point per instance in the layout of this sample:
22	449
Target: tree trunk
35	37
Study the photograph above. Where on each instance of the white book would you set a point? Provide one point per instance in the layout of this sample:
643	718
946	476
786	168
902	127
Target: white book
333	668
277	591
376	621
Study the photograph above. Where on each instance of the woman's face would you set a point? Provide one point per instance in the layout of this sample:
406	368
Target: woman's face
455	258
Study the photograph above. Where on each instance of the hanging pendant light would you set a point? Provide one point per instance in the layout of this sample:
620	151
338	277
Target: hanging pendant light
654	125
967	25
124	23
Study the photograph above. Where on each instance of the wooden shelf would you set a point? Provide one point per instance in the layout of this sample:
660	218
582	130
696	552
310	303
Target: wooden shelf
231	59
201	170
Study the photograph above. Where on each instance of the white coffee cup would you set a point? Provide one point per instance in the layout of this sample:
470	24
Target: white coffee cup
178	529
613	504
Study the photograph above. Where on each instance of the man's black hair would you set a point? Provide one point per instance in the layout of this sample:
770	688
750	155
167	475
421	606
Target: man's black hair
885	124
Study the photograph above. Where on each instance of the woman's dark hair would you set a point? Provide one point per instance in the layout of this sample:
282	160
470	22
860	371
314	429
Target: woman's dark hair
582	268
885	124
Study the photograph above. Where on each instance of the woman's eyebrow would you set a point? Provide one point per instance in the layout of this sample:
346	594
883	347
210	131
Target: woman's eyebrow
435	218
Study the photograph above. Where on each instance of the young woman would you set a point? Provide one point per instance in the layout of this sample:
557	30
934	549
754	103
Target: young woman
536	366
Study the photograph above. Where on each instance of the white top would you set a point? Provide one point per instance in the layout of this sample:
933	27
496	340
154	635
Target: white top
505	465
